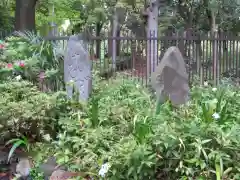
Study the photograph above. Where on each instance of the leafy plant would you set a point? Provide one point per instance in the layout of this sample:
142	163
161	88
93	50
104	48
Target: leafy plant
17	142
176	143
24	110
119	126
38	55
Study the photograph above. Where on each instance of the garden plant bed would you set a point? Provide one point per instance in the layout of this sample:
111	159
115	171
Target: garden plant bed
117	133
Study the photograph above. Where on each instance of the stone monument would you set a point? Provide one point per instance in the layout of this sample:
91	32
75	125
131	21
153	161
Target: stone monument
170	79
77	68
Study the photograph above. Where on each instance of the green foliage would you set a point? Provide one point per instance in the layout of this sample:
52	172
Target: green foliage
17	142
26	111
6	18
119	125
5	73
63	10
34	173
38	56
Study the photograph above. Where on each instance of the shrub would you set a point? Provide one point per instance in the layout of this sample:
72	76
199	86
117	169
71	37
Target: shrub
38	55
119	126
26	111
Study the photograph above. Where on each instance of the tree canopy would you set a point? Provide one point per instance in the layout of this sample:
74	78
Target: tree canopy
177	14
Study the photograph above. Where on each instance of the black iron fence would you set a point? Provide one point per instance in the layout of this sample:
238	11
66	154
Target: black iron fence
210	56
6	33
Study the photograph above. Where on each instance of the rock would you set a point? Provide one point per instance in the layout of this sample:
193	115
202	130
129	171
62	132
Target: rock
170	79
77	68
50	170
63	175
19	164
3	157
23	167
50	166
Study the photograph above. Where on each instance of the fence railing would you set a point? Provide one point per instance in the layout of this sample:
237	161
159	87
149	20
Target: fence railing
209	56
4	34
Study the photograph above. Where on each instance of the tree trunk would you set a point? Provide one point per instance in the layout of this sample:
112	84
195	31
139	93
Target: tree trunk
214	50
152	32
114	43
25	15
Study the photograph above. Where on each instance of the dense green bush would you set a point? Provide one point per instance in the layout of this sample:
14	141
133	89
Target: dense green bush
6	20
24	110
119	126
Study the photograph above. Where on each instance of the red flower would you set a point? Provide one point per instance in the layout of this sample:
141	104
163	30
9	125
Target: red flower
1	46
9	66
21	64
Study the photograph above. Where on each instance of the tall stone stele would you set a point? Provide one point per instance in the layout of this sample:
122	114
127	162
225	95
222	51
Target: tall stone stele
77	68
170	79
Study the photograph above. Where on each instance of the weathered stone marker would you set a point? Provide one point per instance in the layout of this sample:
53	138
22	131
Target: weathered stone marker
77	68
170	79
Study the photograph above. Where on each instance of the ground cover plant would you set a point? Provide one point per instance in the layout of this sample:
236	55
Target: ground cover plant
119	128
117	134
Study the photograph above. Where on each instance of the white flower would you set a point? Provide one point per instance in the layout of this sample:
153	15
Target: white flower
215	101
47	137
214	89
138	86
216	116
104	169
205	83
18	78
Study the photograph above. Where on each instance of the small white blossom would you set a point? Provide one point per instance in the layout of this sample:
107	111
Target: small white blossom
216	116
215	101
214	89
104	169
47	137
205	83
18	78
138	86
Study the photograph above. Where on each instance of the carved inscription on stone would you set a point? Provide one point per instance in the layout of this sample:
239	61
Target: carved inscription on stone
77	69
